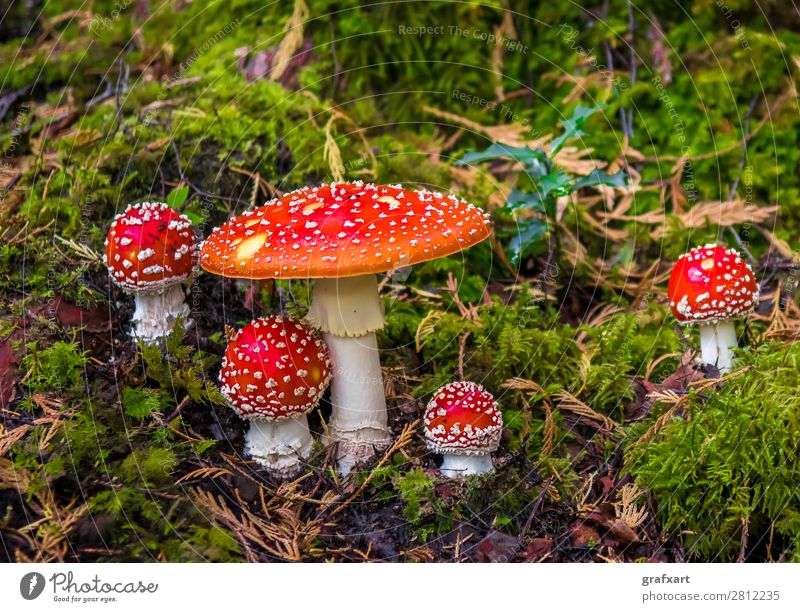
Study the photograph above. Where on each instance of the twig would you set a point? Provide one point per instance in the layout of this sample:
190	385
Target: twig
337	67
122	83
535	510
182	174
104	95
179	408
745	137
631	30
735	185
7	100
461	348
745	537
402	440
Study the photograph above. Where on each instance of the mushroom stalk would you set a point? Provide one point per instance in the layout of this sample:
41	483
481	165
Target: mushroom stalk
279	446
348	311
157	311
716	342
359	420
454	465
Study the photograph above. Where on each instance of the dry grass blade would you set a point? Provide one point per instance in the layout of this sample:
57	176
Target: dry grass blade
570	403
550	431
404	439
512	134
278	531
207	472
10	437
82	251
331	152
522	384
12	477
676	401
626	508
291	42
660	423
549	435
704	214
426	327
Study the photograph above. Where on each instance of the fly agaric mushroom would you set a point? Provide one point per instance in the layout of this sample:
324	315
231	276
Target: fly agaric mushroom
274	373
343	234
463	424
711	286
151	251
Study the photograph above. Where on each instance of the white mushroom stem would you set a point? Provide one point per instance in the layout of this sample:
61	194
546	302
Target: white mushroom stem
359	422
456	465
348	311
158	310
716	342
279	446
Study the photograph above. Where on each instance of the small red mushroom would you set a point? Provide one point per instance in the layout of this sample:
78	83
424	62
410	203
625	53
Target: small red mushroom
711	286
151	252
462	423
274	372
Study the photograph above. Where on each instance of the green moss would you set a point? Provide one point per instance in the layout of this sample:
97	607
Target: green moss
732	457
57	367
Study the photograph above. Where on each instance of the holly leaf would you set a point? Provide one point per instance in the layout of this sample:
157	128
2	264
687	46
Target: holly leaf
522	199
557	183
600	177
521	154
537	167
573	127
528	239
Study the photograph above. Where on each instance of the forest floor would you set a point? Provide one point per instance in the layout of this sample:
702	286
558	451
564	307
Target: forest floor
618	445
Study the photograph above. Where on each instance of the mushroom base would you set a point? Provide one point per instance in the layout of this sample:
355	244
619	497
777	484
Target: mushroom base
359	423
456	466
716	342
158	310
279	446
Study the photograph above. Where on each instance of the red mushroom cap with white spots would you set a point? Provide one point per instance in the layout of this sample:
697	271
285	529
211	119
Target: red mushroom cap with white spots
342	229
711	283
149	246
462	417
274	368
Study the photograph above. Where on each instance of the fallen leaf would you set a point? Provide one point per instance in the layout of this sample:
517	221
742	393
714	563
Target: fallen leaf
8	374
678	381
93	319
497	547
537	549
622	531
260	64
584	535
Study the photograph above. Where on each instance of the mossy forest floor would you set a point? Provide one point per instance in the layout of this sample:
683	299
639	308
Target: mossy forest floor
616	447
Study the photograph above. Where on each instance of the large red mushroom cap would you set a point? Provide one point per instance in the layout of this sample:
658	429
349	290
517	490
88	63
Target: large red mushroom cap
150	246
462	417
711	283
274	368
342	229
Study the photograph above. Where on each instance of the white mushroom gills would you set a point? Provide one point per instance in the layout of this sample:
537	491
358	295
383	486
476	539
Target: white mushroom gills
280	446
348	311
716	343
158	310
